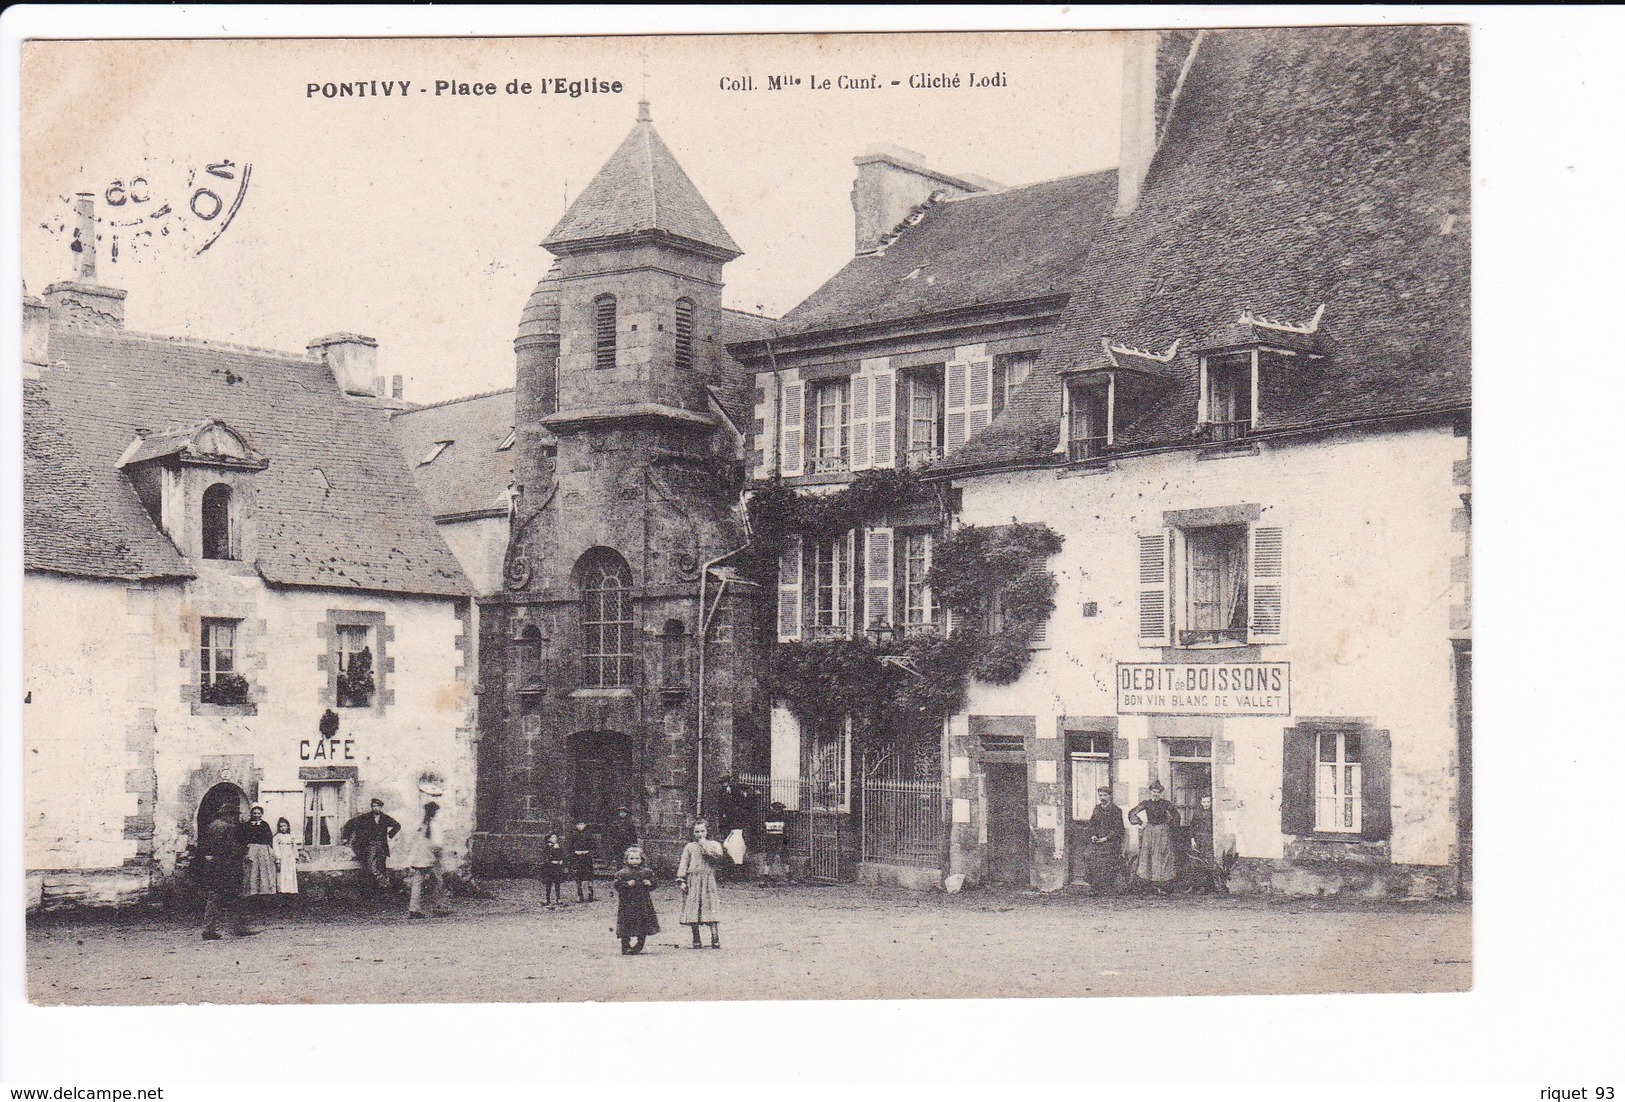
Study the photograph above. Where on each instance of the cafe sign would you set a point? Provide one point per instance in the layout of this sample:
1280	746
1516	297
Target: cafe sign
1203	689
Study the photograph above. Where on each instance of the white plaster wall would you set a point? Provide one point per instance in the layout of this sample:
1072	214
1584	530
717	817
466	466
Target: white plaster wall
83	696
97	653
1367	523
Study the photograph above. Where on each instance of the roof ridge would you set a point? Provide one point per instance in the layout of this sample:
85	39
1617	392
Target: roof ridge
1035	183
454	401
201	342
748	313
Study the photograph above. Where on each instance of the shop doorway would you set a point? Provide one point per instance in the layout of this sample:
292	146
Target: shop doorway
224	794
603	780
1008	835
1190	778
1089	769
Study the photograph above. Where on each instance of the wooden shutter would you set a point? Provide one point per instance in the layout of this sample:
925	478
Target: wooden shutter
862	423
791	429
1298	781
790	591
1266	586
884	412
877	577
955	398
848	578
979	400
1376	754
764	423
1154	589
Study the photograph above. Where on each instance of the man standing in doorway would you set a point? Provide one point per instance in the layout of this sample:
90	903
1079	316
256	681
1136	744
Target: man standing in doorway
221	872
369	834
1103	860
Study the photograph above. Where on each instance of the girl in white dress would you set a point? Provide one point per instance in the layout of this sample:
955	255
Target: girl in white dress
286	852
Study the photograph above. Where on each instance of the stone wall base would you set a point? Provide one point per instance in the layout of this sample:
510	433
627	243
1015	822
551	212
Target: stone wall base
900	876
1358	880
67	889
499	856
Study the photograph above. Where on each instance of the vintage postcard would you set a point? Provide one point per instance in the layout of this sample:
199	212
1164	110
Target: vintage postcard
747	517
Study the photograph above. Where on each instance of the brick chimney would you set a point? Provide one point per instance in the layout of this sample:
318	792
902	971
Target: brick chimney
353	360
891	182
1154	68
81	301
36	334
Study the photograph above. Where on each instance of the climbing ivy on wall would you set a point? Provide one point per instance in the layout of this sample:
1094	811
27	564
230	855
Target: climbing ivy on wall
913	683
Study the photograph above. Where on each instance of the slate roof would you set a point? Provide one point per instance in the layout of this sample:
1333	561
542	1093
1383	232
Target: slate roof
1003	246
1301	167
61	490
364	527
641	188
471	474
734	394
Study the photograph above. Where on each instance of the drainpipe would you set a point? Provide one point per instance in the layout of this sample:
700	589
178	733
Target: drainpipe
705	630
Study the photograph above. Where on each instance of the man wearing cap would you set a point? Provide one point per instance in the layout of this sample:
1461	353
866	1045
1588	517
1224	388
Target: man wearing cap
1160	817
1103	860
369	834
220	870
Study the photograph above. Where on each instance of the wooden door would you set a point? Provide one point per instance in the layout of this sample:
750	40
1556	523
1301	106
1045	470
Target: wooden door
1008	835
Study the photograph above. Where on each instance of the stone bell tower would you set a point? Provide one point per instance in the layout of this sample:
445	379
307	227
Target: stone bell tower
627	486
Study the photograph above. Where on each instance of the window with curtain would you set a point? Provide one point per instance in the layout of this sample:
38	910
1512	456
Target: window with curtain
1229	381
832	589
324	812
924	411
220	683
832	426
1217	584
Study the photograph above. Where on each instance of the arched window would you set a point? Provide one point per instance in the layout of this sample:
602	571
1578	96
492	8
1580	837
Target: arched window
685	334
673	656
217	533
603	321
606	619
528	658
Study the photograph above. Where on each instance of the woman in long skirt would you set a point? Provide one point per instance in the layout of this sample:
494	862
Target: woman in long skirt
1160	817
259	868
696	873
286	852
635	911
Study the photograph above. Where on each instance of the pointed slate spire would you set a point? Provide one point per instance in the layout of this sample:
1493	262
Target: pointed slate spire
640	189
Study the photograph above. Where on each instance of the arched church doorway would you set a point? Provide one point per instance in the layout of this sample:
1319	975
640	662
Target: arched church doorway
223	794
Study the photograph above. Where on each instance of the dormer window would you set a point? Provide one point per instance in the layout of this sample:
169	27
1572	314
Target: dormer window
603	320
1229	395
218	531
1089	416
1010	370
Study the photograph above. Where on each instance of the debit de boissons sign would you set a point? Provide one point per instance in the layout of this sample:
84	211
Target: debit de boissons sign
1189	688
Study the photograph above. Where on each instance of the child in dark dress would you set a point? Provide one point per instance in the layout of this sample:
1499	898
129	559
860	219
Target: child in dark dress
581	862
635	912
554	862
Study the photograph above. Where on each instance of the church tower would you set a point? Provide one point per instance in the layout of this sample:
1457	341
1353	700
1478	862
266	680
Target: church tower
602	687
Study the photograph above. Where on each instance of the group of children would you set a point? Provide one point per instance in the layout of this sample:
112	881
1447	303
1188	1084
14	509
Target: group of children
635	918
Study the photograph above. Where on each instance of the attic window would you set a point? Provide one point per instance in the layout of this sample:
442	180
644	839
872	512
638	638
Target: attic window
507	441
434	452
1229	393
1089	416
219	533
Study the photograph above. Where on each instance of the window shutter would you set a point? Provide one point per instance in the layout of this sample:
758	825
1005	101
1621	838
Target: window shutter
764	423
955	406
883	430
1153	590
848	575
1376	754
1266	588
925	590
1065	443
877	577
862	422
979	402
1298	781
791	428
790	592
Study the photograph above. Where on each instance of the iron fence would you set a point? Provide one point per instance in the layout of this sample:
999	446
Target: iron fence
902	820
